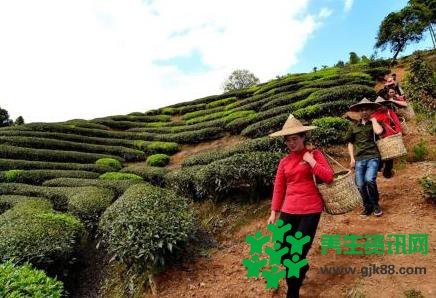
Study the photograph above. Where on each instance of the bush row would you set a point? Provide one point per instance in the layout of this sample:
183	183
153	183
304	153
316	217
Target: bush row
193	137
145	225
267	126
242	172
87	202
344	92
221	102
157	160
13	164
31	231
39	176
181	128
209	117
203	112
109	162
330	131
154	175
237	125
288	98
117	186
378	72
138	117
205	100
25	281
119	176
83	123
264	127
266	144
53	144
62	128
69	137
335	108
13	152
9	201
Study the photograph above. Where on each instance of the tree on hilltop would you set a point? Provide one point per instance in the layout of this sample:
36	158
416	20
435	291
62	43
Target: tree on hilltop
240	79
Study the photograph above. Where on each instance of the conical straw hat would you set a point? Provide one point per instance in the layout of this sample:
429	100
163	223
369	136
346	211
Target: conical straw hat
381	100
364	102
291	126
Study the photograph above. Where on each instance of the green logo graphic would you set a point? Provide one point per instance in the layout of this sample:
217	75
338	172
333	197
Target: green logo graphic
275	253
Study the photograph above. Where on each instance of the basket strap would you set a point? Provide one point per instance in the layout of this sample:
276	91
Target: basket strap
336	162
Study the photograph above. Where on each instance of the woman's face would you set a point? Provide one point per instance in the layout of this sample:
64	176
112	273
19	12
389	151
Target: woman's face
294	142
391	93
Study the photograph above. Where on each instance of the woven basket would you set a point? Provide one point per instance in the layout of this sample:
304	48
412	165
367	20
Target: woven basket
391	147
342	195
404	127
407	113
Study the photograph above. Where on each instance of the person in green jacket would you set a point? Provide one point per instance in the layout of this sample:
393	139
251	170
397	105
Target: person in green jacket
364	155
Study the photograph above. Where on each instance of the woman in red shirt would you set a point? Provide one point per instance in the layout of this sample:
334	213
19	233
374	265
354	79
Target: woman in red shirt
296	197
391	125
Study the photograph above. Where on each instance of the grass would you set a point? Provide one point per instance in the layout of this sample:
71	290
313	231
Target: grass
412	293
223	219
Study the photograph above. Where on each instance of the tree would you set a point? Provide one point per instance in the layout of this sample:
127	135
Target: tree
340	64
401	28
324	66
19	120
426	15
4	118
364	59
354	59
420	81
428	7
315	68
240	79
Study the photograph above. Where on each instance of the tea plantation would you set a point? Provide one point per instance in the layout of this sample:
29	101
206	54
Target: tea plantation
65	185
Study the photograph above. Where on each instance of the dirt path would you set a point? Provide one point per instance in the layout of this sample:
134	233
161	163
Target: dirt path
405	212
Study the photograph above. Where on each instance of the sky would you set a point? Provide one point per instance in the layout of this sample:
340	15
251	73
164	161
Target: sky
83	59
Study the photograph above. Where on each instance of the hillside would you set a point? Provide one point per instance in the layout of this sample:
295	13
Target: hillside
103	203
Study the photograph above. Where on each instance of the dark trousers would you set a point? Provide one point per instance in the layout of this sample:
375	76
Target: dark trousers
387	166
307	225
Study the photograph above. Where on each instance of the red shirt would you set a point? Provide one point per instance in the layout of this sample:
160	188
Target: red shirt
389	120
295	191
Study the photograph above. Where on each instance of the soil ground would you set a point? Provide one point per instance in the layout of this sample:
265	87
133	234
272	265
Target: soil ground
405	212
221	274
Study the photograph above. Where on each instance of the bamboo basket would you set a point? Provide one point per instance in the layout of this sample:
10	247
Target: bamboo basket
407	113
342	195
391	147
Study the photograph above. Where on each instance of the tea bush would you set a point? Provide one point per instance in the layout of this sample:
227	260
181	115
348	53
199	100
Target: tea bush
25	281
146	224
158	160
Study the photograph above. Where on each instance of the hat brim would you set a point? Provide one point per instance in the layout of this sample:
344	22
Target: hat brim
357	106
292	131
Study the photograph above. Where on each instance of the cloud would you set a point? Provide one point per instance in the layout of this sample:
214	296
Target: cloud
91	58
347	5
325	13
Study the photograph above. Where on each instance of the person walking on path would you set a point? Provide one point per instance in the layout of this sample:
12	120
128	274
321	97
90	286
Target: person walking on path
391	125
364	154
295	196
396	99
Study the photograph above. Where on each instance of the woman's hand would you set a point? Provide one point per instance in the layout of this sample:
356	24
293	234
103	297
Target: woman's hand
308	157
352	163
273	218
